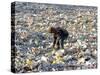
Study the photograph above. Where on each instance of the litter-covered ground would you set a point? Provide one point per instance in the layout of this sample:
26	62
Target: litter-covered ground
33	44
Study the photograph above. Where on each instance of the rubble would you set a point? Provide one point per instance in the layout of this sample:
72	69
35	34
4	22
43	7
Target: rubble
33	42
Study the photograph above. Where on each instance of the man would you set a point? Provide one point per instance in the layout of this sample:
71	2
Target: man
59	35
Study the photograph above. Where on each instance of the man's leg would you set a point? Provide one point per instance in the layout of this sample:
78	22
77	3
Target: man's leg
58	42
62	43
58	45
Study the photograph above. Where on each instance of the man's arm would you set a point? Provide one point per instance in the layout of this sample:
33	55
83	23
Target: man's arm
55	39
